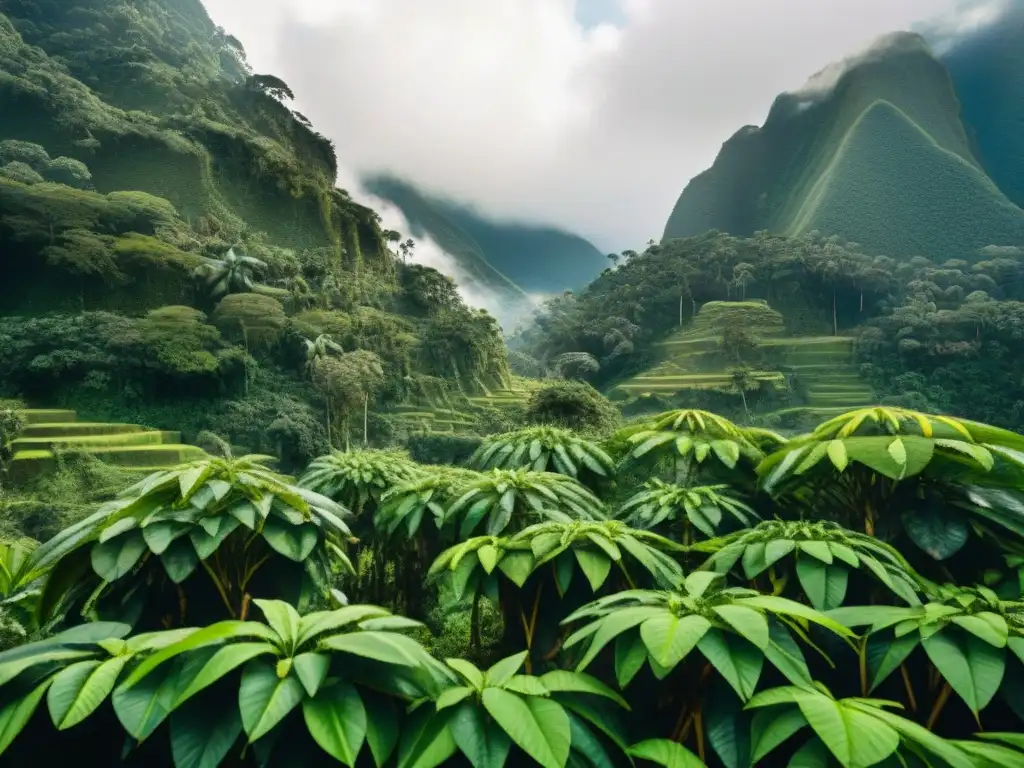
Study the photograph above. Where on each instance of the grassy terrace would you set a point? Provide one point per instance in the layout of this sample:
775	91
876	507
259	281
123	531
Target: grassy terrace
442	418
822	367
50	431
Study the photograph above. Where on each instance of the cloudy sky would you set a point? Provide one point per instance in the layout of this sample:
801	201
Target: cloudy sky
588	114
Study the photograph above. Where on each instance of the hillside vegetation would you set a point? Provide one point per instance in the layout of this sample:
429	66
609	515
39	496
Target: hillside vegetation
882	159
177	259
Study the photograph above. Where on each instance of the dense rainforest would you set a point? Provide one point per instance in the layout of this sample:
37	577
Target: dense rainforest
273	494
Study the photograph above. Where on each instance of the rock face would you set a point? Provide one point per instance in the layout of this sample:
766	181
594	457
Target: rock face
878	155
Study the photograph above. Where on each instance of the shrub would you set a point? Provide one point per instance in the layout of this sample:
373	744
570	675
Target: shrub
572	404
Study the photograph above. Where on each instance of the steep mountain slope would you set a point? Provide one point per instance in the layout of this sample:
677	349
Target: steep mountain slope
881	159
478	275
987	68
538	259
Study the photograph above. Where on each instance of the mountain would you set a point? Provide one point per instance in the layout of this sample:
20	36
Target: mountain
140	152
987	68
880	158
538	259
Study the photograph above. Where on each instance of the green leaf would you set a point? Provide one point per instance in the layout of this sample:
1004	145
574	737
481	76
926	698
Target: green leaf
264	699
526	685
381	727
825	585
894	653
747	622
15	714
777	549
478	737
142	708
336	719
630	655
971	666
452	696
786	607
990	627
311	669
517	566
938	530
770	728
564	681
223	661
179	560
201	738
666	753
837	454
540	727
78	690
595	566
697	583
472	675
115	558
728	729
612	626
736	659
488	556
501	671
427	741
381	646
293	542
669	638
283	619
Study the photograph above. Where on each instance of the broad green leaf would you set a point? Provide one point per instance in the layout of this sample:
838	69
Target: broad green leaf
669	638
595	566
697	583
478	737
727	725
488	556
586	748
894	653
142	708
283	619
538	726
381	726
939	531
611	627
749	623
452	696
992	629
837	454
526	685
469	671
630	655
311	669
382	646
321	622
777	549
564	681
517	566
15	714
264	699
79	689
770	728
427	741
502	670
971	666
223	661
179	559
292	541
735	658
825	585
666	753
201	738
336	719
115	558
786	607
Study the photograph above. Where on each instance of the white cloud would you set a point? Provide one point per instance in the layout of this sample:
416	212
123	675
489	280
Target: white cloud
511	104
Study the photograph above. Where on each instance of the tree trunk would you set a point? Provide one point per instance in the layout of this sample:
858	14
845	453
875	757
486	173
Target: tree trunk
366	405
835	322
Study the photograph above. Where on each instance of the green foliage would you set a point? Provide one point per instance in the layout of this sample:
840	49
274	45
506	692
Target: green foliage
258	319
506	499
21	172
358	479
704	508
545	449
232	274
574	405
264	530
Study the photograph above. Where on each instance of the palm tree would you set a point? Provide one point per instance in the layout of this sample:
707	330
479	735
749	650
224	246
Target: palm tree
232	274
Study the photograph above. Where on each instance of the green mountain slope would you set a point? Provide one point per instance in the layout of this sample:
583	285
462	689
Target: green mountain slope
882	160
538	259
426	219
987	68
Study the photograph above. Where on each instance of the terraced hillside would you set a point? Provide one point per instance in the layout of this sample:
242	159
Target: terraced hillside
881	159
128	445
819	369
461	417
